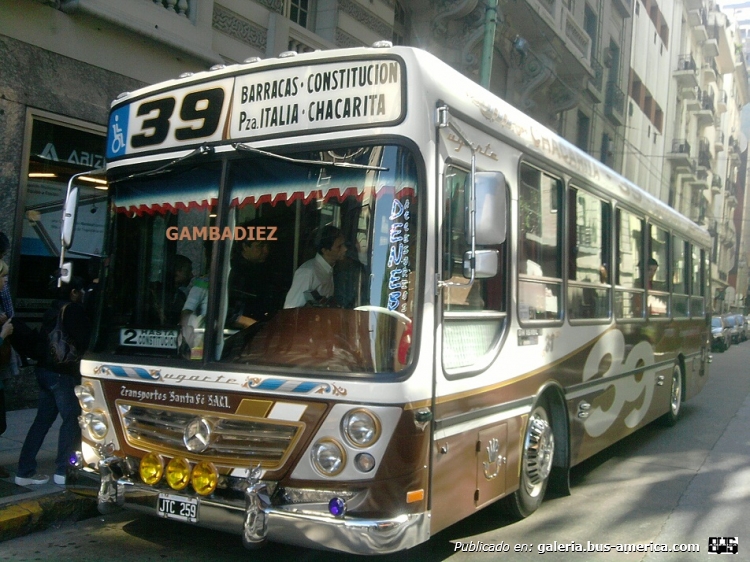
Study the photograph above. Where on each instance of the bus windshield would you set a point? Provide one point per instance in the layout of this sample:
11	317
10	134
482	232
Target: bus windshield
295	264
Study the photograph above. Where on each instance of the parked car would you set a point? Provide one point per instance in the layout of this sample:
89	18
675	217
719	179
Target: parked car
731	321
720	340
741	327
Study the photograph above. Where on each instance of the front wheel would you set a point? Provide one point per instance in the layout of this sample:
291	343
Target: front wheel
675	398
536	464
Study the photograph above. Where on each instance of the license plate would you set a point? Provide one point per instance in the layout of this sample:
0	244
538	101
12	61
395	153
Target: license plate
178	507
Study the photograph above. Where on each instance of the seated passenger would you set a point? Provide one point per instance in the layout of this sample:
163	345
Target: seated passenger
313	280
250	285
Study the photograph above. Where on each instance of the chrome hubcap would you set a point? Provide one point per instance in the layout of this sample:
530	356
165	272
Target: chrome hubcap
676	391
538	452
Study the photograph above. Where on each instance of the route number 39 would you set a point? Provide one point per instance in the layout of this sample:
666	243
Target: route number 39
200	112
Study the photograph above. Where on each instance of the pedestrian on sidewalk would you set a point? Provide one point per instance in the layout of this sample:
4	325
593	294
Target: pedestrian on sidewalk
68	321
5	354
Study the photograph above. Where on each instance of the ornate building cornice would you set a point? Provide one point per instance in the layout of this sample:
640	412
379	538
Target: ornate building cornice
369	20
273	5
343	39
239	28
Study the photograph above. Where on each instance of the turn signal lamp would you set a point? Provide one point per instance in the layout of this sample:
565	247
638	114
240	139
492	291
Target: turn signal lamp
178	473
205	478
151	469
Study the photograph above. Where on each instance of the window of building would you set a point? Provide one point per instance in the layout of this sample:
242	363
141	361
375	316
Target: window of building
590	25
299	11
629	230
399	25
582	135
540	244
589	261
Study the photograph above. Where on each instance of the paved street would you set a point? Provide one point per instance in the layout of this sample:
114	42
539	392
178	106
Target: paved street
678	485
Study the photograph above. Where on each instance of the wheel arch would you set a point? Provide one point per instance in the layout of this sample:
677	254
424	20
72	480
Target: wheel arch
553	396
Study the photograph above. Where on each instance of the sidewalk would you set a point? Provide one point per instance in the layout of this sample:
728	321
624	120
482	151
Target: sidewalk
24	509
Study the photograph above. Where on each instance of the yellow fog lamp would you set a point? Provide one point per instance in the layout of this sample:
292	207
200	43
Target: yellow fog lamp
151	469
205	478
178	473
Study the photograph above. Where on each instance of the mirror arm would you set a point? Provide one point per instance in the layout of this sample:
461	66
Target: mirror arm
444	121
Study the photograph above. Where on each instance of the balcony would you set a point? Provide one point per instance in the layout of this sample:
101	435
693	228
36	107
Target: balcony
710	48
625	7
693	98
716	184
698	22
551	24
718	141
686	72
578	40
709	72
614	104
679	156
734	150
705	115
704	155
595	83
183	25
721	104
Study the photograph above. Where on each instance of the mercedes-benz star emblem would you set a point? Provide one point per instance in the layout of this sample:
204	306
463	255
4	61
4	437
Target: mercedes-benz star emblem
197	435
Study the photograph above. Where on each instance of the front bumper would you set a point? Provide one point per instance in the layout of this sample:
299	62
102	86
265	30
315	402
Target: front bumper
257	521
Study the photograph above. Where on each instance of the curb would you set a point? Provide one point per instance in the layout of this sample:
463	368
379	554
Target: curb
33	515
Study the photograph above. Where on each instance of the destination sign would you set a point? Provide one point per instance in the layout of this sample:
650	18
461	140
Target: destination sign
287	100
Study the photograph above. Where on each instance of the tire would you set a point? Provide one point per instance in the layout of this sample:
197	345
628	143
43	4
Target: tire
676	393
536	464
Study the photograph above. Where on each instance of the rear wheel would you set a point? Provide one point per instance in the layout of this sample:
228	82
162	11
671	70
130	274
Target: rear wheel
675	398
536	464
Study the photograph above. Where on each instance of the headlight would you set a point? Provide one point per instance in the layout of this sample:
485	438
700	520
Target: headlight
328	457
95	424
151	469
361	427
85	395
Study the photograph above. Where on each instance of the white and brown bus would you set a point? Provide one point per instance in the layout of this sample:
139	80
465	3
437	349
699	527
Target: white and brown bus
491	324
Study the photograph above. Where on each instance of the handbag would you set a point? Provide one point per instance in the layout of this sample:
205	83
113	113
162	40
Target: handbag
62	350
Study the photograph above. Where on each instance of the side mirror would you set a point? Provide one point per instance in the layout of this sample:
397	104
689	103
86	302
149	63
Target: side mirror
491	209
68	225
66	272
486	264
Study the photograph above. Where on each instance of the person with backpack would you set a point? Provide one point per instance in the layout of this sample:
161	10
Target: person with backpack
65	333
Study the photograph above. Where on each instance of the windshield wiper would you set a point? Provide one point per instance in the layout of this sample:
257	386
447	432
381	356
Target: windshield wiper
201	150
248	148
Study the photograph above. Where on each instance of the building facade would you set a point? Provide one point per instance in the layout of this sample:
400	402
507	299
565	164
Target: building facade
687	86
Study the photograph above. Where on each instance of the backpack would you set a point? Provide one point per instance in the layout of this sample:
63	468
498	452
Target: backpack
62	350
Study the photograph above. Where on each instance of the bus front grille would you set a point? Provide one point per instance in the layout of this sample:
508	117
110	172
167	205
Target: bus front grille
234	440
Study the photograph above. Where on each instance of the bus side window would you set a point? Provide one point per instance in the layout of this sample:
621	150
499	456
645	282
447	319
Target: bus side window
539	246
697	284
472	315
657	283
589	261
680	298
629	265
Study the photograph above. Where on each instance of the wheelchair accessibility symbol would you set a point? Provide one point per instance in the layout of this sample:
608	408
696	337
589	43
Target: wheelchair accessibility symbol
118	129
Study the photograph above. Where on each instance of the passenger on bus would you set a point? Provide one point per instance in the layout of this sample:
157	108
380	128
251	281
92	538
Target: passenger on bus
653	265
313	280
250	285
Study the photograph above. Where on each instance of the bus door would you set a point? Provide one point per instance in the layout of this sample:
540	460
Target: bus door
469	450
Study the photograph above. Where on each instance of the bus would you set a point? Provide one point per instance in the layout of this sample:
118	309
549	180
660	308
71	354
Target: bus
351	297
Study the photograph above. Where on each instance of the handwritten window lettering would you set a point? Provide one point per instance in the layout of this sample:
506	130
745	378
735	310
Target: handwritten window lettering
398	255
